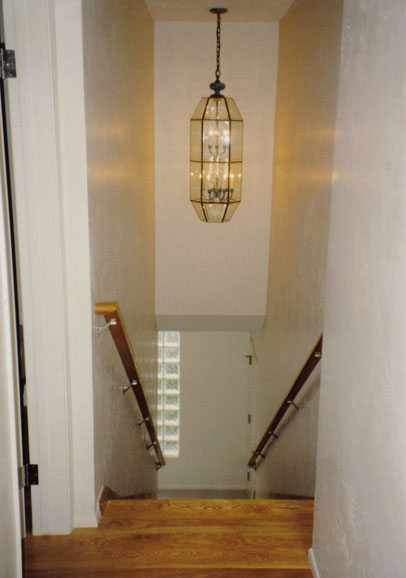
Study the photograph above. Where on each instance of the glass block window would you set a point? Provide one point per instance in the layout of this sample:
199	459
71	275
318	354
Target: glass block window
168	391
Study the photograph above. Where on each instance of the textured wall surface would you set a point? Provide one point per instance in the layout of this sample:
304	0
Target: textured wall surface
213	413
119	88
360	517
309	49
207	271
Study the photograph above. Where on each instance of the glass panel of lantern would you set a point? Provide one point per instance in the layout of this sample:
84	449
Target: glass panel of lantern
216	131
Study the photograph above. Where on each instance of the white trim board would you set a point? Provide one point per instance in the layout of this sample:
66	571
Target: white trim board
203	488
51	205
10	458
313	563
37	199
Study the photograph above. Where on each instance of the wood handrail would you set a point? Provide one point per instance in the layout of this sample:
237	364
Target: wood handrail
288	402
111	312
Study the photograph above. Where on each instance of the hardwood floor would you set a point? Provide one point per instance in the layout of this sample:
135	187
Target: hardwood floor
182	539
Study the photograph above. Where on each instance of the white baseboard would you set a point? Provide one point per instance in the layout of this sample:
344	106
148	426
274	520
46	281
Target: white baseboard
87	521
313	564
199	488
98	512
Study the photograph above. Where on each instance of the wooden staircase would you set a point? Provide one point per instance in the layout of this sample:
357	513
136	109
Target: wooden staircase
182	539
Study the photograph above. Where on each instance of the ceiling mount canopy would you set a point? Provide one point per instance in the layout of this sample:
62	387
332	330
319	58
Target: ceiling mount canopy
216	129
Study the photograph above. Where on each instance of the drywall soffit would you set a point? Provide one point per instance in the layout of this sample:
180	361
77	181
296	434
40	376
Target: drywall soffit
199	10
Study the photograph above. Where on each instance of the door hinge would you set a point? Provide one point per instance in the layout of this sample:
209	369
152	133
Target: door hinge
28	475
249	418
7	63
249	357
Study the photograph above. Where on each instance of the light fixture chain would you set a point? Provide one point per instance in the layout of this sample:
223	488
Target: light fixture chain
218	46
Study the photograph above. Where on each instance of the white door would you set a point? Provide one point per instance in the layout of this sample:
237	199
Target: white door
11	496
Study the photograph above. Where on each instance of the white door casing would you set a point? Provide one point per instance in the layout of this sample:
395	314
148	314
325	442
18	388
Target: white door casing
11	529
50	187
252	412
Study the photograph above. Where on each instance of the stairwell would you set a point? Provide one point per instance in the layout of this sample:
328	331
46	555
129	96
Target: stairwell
182	539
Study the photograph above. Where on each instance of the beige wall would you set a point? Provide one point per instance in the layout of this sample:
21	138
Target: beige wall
360	515
119	89
309	48
213	413
213	276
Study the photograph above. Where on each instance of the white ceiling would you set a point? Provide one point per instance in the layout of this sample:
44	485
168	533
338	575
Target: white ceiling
198	10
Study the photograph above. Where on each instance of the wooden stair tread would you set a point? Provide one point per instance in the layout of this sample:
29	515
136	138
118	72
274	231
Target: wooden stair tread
182	538
254	507
205	512
167	526
204	549
173	573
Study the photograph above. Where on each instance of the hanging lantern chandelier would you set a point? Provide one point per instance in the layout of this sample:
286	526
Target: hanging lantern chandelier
216	129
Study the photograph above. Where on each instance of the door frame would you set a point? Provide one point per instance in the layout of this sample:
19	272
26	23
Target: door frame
9	363
252	412
48	149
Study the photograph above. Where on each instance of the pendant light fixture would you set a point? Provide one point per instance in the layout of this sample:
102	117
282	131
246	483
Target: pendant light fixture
216	150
